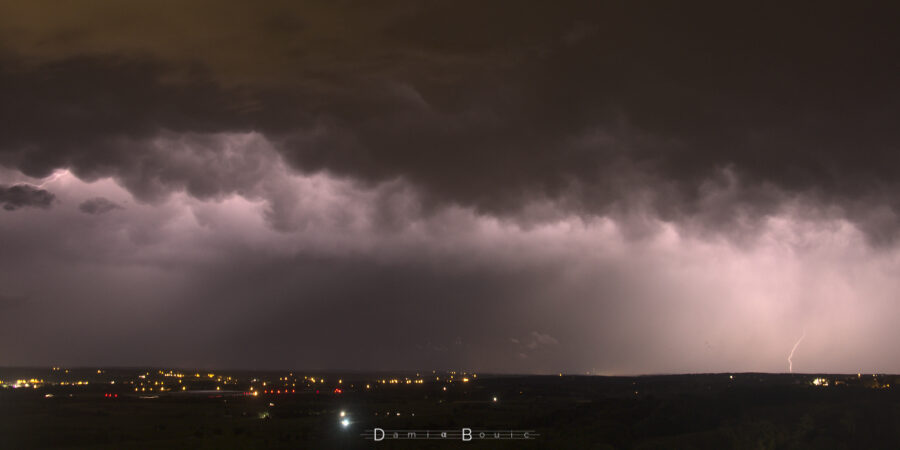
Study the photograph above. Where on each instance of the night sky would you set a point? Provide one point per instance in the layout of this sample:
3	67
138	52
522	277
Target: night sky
613	188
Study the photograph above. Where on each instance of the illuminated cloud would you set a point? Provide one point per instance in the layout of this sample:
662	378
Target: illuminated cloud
676	299
619	188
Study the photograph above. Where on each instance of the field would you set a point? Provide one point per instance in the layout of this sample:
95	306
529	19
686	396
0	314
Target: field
745	411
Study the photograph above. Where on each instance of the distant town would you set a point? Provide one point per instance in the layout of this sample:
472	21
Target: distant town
152	383
158	407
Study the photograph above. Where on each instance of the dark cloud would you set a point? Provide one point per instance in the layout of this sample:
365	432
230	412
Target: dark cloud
95	115
24	195
8	302
98	205
536	340
482	106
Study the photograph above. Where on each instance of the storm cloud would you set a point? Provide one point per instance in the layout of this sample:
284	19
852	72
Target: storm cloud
23	195
98	205
606	184
474	104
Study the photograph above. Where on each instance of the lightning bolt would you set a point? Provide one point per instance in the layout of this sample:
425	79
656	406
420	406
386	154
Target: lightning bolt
55	176
791	363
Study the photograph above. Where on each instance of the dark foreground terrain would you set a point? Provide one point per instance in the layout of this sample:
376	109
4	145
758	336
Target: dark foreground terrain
93	408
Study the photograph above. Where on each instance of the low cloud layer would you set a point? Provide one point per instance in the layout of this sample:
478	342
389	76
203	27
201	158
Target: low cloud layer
98	205
447	289
24	195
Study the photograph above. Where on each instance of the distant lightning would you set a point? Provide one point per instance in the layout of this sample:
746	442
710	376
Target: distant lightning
55	176
791	363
